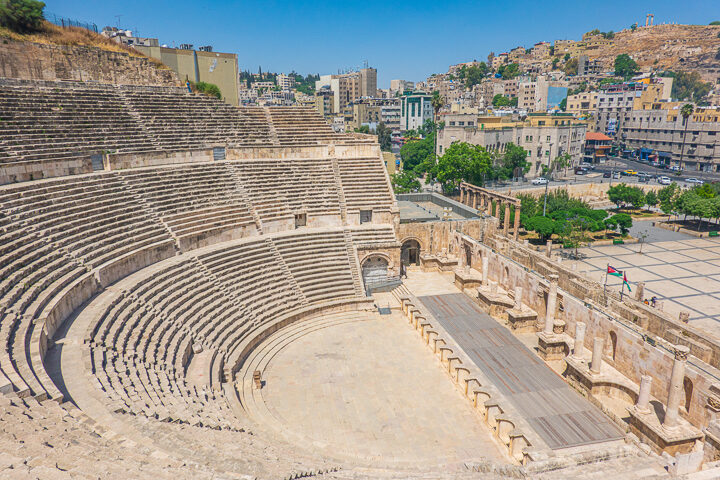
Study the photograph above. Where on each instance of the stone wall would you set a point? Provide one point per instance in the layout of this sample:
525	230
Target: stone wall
434	237
38	61
593	193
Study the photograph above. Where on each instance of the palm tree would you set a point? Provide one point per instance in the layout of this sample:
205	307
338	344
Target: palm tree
686	110
437	103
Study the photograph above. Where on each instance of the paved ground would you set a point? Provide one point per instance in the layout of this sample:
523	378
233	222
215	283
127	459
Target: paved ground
372	390
684	274
655	234
557	413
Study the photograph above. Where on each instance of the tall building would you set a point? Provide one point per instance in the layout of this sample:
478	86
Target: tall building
285	82
349	87
196	66
415	110
615	102
400	86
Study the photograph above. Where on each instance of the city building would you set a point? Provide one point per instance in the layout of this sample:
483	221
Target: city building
541	50
588	67
416	109
400	86
126	37
390	114
349	87
597	146
196	66
544	136
582	104
616	101
542	95
324	102
657	133
285	82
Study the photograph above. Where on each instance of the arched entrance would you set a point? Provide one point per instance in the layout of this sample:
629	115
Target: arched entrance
468	255
374	270
410	252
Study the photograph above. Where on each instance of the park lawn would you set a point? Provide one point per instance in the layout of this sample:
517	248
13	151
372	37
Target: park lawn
635	212
534	238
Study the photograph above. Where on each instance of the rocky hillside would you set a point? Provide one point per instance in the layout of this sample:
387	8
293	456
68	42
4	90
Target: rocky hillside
667	47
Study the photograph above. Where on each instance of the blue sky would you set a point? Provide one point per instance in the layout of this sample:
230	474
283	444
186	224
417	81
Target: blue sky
402	39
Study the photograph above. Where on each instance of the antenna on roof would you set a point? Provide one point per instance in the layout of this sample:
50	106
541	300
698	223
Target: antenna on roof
118	20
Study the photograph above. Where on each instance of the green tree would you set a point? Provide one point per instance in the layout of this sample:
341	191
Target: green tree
514	102
543	226
566	57
437	103
651	198
686	110
509	71
474	74
571	67
363	129
384	135
23	16
416	152
563	104
625	66
576	232
715	22
633	27
513	162
668	197
621	220
688	85
462	162
500	100
405	182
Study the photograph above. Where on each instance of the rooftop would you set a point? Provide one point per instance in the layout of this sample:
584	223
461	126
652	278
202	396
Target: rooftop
429	207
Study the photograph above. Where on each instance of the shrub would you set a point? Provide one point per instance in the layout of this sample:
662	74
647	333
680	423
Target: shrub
23	16
209	89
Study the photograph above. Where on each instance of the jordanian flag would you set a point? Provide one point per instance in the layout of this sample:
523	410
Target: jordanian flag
625	282
614	271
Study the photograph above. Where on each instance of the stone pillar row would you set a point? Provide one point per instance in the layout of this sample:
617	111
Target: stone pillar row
551	305
675	392
579	350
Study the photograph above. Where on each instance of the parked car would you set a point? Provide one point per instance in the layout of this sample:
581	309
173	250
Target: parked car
629	173
644	177
539	181
694	180
606	174
580	171
588	166
663	180
616	175
675	168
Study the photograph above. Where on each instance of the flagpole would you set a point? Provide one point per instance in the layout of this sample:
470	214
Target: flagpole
622	290
607	267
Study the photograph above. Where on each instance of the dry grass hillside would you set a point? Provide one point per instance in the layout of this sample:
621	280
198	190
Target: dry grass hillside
75	36
668	47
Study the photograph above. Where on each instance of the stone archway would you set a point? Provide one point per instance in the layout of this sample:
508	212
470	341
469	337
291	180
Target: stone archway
410	252
374	269
611	345
688	390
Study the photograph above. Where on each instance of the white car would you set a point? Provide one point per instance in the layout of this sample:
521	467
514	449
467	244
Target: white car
675	168
664	180
694	180
540	181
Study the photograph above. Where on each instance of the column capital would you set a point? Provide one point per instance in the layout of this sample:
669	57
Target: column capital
681	352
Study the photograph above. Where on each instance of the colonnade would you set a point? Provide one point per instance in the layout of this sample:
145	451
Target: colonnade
482	199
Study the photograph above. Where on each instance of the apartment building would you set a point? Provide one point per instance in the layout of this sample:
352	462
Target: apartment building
658	131
616	101
542	94
349	87
415	110
587	67
582	104
373	111
544	136
390	114
285	82
400	86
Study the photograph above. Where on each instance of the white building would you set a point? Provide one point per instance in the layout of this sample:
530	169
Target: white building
285	82
416	109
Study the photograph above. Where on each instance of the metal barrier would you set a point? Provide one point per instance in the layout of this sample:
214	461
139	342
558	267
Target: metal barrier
388	282
69	22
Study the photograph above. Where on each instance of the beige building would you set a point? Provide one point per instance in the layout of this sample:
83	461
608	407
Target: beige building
543	136
583	103
196	66
349	87
285	82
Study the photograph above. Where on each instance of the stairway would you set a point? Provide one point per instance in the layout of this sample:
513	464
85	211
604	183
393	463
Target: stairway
272	133
286	270
240	188
353	261
341	192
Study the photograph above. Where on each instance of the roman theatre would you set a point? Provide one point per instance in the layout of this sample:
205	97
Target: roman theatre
195	290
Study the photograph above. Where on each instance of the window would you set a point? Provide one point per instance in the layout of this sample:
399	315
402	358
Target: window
365	216
548	138
300	220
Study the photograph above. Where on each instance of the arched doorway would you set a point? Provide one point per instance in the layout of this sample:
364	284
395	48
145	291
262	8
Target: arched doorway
468	255
611	345
688	388
374	270
410	252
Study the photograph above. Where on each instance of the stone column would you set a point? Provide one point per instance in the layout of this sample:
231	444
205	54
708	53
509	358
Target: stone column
518	298
640	292
548	249
485	268
462	194
597	353
551	304
643	401
516	226
580	328
475	197
489	205
506	220
676	386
